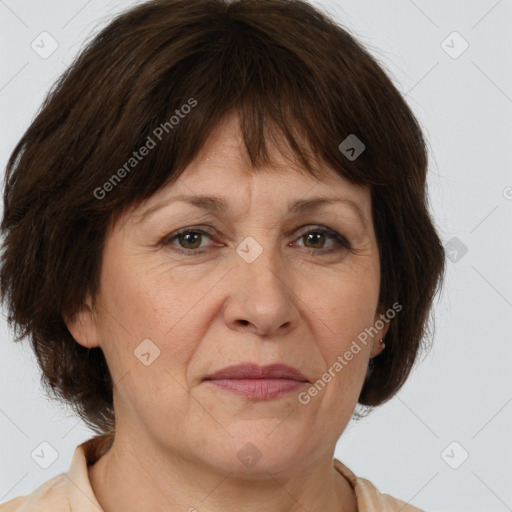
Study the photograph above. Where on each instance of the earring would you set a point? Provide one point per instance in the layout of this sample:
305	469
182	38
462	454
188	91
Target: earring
381	341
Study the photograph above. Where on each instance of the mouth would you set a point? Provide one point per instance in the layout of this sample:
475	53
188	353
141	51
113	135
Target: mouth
258	382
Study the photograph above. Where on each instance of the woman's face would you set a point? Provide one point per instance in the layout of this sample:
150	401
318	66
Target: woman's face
244	286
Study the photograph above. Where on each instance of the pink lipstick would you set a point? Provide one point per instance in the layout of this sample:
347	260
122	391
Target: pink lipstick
258	382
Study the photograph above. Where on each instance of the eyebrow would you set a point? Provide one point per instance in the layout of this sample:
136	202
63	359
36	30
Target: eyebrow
220	206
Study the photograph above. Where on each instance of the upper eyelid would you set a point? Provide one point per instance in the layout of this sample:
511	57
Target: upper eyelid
303	229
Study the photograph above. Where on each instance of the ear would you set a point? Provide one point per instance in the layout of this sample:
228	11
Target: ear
381	322
82	326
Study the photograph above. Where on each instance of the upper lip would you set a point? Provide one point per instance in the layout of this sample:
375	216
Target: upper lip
254	371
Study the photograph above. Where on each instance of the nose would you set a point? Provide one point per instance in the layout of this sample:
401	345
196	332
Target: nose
261	298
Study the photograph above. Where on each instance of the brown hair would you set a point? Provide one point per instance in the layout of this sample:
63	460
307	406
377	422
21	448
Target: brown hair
280	65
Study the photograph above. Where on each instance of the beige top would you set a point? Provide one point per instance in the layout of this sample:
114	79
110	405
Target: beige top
72	491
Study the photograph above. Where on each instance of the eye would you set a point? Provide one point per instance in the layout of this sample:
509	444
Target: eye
189	240
319	235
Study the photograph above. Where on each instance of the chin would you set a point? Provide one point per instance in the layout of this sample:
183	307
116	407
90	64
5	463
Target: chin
255	451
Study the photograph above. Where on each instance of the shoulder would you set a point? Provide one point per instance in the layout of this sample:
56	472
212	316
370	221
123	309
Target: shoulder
369	498
382	502
51	495
67	491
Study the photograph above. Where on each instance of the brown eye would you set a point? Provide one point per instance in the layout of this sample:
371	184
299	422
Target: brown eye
187	241
190	240
314	240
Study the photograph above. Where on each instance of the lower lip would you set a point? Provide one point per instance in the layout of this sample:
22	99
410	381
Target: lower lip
258	389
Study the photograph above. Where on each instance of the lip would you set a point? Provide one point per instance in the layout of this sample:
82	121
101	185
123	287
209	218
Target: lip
254	371
258	382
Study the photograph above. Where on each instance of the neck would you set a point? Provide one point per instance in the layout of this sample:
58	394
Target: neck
138	477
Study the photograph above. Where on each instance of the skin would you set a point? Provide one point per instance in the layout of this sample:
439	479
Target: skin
177	436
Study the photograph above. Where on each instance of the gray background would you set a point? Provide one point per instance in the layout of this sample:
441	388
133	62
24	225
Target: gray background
461	392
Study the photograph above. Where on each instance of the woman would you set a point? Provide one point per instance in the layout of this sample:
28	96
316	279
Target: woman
222	207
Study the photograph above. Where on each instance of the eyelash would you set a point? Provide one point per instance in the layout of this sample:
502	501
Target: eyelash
342	242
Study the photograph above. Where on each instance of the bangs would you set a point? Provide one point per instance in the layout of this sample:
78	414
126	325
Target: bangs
283	94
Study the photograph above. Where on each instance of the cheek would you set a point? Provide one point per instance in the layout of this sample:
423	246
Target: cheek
344	306
148	321
149	296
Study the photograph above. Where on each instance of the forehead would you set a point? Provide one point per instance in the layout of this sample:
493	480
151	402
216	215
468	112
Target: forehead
222	167
222	170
